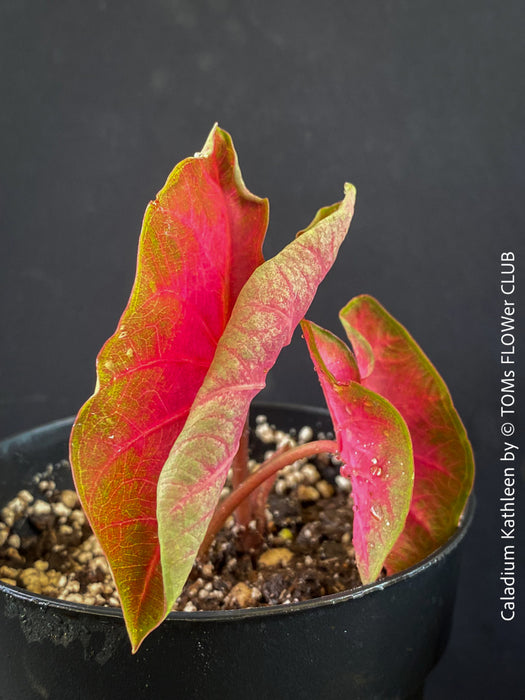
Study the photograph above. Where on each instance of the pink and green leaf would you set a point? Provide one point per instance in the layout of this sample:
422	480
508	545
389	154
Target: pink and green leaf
393	365
268	309
201	240
374	444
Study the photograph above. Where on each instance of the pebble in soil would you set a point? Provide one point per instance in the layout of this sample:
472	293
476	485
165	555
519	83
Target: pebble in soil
47	547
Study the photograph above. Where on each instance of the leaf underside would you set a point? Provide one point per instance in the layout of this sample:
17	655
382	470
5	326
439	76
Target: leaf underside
374	445
393	365
268	309
201	240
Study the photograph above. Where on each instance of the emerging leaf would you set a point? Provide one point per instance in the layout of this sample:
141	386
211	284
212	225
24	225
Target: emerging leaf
271	304
201	240
392	364
374	445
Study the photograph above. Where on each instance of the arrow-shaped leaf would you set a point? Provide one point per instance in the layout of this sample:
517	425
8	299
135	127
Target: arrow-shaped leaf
374	445
271	304
201	240
393	365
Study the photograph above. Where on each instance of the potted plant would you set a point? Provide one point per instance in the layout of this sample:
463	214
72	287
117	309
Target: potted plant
151	449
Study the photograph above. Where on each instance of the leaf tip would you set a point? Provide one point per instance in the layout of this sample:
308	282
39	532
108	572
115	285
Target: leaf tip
350	190
207	149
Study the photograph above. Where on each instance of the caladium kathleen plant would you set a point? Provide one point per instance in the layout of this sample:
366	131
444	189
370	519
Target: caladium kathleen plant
206	320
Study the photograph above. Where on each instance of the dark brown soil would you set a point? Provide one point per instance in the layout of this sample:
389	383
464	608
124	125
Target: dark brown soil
47	547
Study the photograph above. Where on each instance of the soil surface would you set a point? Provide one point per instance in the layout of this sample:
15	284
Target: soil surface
47	547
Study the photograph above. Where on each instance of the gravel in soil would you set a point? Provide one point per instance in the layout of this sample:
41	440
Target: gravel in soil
47	547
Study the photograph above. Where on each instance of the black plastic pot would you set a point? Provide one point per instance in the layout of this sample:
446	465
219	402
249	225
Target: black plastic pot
378	641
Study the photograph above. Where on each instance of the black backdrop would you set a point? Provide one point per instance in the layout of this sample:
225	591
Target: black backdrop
419	104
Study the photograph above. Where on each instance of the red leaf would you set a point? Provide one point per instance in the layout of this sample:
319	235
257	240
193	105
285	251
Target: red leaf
374	445
268	309
444	464
201	240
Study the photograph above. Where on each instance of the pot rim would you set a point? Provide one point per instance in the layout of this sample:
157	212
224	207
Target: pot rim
223	616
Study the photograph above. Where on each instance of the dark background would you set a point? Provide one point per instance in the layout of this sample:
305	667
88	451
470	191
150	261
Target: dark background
419	104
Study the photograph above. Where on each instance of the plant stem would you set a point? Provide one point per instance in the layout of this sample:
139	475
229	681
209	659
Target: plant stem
260	495
271	466
240	473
